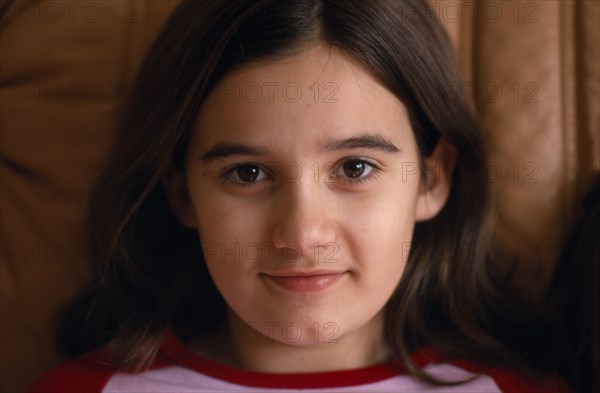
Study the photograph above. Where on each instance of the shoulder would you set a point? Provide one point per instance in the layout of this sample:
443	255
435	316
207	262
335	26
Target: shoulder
486	378
85	373
515	381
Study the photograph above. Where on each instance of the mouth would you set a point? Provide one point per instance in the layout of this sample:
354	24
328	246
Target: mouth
305	282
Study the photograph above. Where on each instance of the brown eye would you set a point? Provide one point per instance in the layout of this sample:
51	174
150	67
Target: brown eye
354	169
247	173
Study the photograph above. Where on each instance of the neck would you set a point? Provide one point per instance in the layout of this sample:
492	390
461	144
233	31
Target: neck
239	345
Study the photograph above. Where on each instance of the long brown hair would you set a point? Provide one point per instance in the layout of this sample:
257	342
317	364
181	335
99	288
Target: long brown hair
570	344
150	271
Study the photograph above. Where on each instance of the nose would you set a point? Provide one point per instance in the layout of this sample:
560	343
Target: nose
304	219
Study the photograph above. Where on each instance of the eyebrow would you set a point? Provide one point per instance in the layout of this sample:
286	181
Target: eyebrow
222	150
364	141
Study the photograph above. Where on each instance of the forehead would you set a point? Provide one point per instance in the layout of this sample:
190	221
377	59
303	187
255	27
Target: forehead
318	93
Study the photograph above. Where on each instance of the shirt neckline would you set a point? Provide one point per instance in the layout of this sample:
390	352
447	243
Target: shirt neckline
174	348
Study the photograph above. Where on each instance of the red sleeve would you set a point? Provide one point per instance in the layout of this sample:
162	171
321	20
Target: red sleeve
84	374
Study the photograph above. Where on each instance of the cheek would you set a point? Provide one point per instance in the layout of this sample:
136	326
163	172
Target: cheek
227	243
230	260
222	243
221	218
230	235
380	239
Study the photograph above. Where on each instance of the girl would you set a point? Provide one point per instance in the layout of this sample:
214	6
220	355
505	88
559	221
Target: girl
292	202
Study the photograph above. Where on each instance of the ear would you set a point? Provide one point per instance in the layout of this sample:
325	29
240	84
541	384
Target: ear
438	171
175	186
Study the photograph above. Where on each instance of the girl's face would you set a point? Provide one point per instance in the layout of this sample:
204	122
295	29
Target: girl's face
303	182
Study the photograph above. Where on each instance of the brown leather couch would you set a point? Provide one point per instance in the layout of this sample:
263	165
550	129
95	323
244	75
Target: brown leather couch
532	68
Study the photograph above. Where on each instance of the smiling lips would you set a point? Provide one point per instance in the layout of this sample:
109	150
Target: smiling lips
305	281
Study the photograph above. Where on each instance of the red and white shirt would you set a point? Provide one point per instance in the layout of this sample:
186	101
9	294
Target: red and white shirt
177	369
